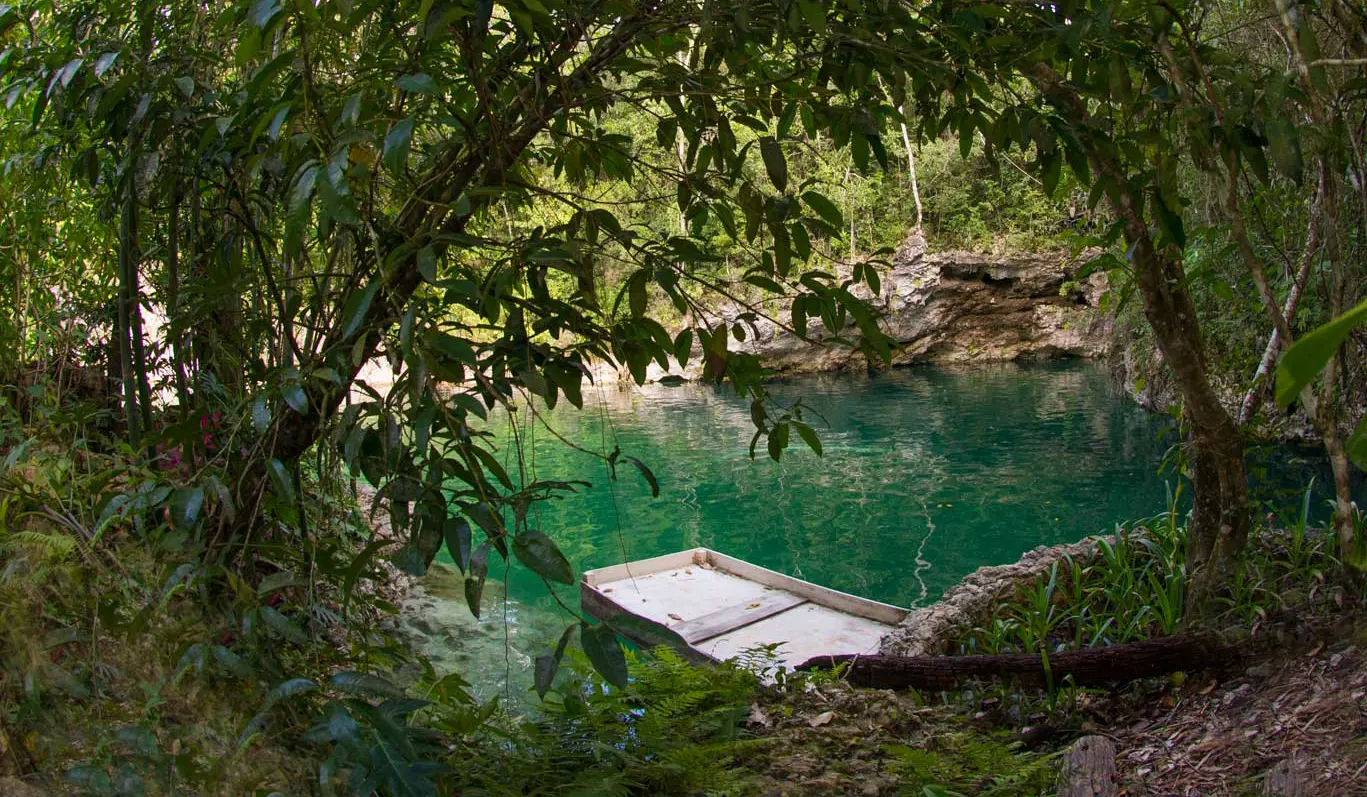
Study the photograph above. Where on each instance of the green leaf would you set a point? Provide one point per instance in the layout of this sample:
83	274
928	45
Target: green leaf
263	11
288	689
1356	446
1169	222
357	567
459	541
186	504
647	475
539	553
261	414
186	84
284	486
294	396
357	305
636	293
814	14
778	440
808	436
605	654
362	683
1051	169
1302	362
276	582
826	209
282	626
396	144
1284	142
233	664
419	83
410	560
547	664
683	347
427	263
646	632
452	347
774	163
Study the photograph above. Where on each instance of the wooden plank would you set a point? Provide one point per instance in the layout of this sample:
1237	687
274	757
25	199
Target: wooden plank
732	617
841	601
645	567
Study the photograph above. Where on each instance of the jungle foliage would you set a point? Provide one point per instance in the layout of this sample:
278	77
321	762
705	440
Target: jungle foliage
216	216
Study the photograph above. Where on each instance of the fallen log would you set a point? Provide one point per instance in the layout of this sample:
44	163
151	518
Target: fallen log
1086	667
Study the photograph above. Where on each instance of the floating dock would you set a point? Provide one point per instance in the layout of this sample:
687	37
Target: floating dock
723	606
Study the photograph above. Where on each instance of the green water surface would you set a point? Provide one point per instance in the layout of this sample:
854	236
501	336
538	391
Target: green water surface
928	474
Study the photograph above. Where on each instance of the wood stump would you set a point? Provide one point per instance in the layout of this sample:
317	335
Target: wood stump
1089	769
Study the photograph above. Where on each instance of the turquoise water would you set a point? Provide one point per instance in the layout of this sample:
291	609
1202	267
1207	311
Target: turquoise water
928	474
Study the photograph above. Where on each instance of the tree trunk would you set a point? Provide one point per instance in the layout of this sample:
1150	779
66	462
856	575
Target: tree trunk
123	333
1220	516
1087	667
1256	391
911	168
1089	769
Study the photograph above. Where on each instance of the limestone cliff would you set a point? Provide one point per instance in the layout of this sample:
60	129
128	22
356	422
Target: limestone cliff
953	307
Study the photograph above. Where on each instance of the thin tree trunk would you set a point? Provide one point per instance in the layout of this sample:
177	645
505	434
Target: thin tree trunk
1254	397
134	254
1326	415
173	310
132	416
911	168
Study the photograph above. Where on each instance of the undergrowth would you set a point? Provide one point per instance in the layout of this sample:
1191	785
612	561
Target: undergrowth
1134	587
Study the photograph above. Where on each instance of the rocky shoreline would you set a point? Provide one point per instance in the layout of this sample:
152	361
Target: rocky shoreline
941	307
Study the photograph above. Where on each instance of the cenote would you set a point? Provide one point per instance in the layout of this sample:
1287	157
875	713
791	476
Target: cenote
928	473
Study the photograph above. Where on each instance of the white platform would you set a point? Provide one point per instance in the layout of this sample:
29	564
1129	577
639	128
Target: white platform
723	606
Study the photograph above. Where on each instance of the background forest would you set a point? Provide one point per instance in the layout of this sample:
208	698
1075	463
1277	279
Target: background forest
212	217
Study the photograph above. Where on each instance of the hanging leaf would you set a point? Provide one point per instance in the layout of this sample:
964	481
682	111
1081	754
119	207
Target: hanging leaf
427	263
778	440
646	632
284	486
1051	168
539	553
605	654
396	143
774	163
1303	361
647	475
826	209
261	414
459	541
263	11
547	664
419	83
186	504
410	560
357	305
814	14
294	396
1356	446
808	436
1169	222
1284	142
